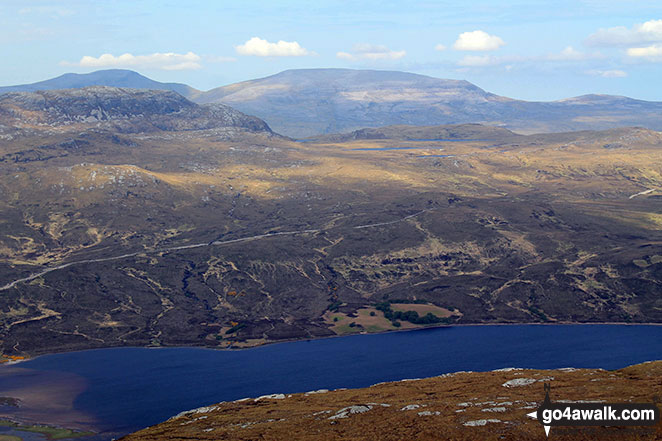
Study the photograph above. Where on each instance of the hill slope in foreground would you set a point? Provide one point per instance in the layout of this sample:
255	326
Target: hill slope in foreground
133	218
461	406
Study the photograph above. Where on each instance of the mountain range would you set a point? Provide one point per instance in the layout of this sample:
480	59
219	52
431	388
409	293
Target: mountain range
309	102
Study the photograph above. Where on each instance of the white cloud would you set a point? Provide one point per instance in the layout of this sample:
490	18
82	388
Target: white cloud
477	41
53	11
568	54
648	32
608	73
161	61
262	48
572	54
364	51
650	53
440	47
478	61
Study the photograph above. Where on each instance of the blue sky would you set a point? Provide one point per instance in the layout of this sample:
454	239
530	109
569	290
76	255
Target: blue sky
535	50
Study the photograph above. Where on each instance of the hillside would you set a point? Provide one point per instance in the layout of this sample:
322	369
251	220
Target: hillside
457	132
463	406
110	77
308	102
138	218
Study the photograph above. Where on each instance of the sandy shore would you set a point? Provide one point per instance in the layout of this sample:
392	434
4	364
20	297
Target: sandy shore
45	398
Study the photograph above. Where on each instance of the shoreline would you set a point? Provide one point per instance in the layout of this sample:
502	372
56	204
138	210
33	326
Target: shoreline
269	343
32	426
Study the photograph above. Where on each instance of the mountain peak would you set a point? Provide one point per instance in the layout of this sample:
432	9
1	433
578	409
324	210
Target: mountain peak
109	77
595	98
308	102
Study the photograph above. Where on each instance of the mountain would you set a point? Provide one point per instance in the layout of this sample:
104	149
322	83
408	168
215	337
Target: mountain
309	102
137	217
110	77
119	109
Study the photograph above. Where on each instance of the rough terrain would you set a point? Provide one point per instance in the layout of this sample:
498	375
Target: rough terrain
140	218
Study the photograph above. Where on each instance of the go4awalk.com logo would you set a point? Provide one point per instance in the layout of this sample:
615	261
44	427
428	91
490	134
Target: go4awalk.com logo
583	413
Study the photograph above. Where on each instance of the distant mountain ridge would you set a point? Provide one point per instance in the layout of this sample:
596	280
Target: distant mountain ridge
308	102
109	77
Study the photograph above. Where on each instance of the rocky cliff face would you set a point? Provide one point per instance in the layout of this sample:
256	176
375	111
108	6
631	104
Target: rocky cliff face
119	109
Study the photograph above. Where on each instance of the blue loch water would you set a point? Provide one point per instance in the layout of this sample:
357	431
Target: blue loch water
130	388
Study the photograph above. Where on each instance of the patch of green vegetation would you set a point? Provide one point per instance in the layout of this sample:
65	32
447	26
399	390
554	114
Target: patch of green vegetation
408	316
333	307
235	328
538	313
10	438
51	433
641	263
346	329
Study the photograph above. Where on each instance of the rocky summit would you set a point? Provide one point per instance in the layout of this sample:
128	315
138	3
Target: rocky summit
119	109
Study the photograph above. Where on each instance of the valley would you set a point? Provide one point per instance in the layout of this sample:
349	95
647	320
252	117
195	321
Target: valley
170	226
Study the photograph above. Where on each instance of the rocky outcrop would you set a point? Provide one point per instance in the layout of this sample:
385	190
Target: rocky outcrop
118	109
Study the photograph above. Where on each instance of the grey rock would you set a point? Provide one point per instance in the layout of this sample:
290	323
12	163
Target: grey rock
118	109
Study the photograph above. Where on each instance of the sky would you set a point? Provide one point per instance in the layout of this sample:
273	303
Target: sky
533	50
